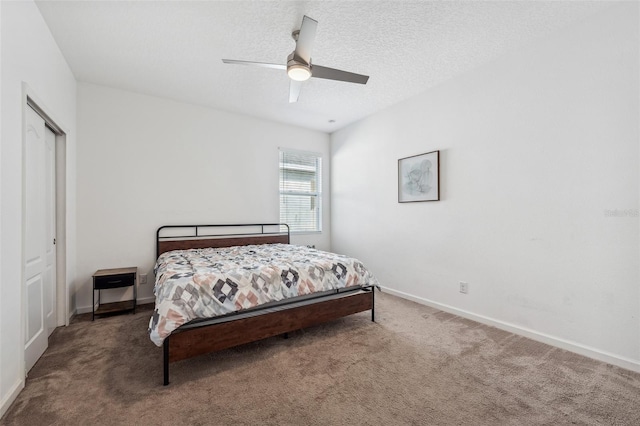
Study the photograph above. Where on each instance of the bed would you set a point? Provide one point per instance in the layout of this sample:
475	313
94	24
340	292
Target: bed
219	286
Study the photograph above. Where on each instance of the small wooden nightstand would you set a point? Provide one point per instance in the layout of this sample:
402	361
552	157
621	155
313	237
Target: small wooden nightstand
105	279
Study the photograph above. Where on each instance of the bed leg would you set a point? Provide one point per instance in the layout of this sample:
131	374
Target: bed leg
373	304
165	361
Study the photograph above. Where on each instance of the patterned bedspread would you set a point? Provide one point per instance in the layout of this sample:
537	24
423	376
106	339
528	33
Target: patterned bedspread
204	283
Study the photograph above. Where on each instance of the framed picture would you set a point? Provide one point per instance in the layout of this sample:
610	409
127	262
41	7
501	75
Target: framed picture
419	178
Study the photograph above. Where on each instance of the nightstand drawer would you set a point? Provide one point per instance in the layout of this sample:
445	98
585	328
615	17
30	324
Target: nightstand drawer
113	281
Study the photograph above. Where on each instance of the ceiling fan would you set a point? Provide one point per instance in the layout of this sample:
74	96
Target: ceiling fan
299	67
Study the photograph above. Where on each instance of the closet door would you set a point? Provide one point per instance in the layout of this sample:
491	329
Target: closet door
39	253
50	301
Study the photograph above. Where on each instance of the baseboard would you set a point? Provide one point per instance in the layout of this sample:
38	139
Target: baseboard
141	301
145	300
587	351
11	396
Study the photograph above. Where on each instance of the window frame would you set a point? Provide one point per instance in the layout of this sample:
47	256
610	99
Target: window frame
311	194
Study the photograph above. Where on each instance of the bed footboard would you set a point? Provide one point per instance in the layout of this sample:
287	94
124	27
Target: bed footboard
270	322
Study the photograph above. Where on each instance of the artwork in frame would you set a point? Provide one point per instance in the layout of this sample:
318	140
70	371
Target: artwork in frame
419	178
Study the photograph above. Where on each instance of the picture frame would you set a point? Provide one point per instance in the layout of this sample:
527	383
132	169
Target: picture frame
419	178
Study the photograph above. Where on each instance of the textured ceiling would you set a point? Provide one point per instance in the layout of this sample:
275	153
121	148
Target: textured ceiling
174	49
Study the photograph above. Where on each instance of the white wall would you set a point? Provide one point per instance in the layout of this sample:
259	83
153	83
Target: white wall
144	162
536	148
28	54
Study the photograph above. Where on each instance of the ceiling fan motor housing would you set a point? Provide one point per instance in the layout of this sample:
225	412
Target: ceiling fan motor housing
297	68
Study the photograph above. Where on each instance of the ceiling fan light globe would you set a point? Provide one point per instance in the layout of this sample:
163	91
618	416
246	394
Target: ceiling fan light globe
299	72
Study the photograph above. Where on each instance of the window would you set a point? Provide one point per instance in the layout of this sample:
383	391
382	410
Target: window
301	191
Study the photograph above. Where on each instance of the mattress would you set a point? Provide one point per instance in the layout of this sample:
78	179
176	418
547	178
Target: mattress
206	283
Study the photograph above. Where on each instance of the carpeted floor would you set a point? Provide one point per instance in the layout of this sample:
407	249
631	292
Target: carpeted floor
415	365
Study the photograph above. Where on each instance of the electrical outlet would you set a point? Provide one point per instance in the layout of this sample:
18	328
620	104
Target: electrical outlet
143	278
464	287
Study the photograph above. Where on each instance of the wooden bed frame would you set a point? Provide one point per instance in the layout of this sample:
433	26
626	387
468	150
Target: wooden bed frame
204	336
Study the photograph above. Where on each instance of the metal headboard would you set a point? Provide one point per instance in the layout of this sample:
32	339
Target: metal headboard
221	235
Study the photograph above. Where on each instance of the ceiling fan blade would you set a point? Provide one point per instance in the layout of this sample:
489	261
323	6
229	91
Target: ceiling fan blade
306	36
255	64
334	74
294	90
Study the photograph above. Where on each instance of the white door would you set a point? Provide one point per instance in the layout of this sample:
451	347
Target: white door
50	302
39	258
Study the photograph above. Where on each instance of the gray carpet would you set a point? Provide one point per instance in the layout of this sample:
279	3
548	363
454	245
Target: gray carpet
415	365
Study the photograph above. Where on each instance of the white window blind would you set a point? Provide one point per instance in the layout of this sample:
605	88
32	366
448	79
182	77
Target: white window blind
301	191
